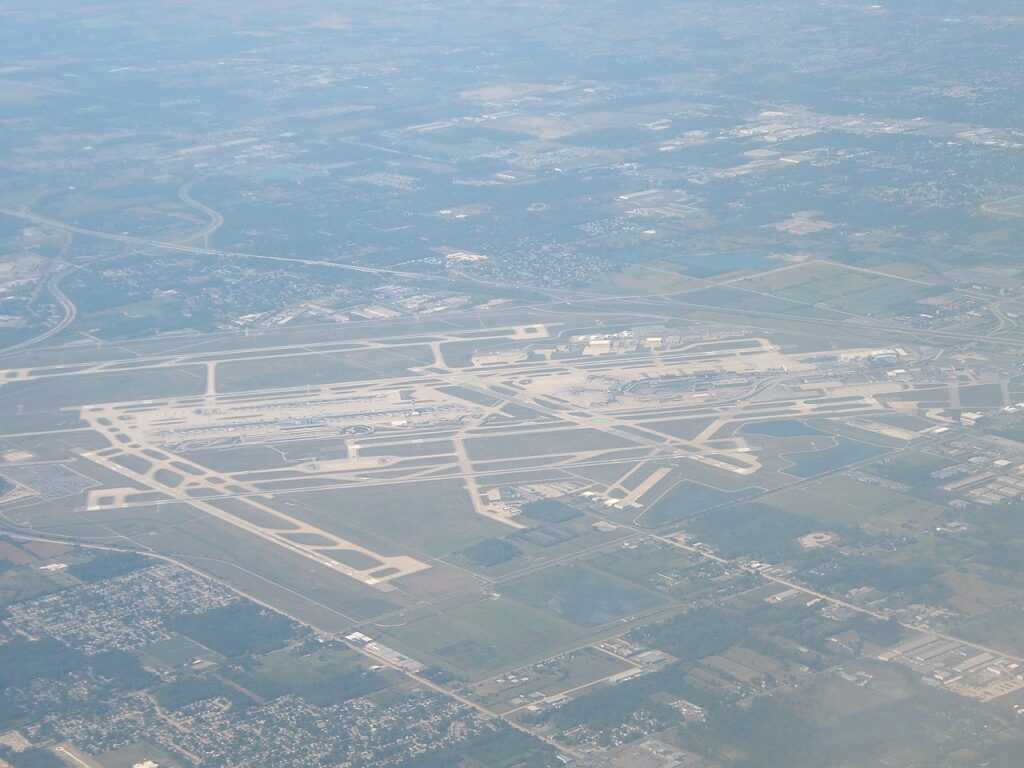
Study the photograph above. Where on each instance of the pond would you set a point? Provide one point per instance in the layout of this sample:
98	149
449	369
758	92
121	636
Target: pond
845	452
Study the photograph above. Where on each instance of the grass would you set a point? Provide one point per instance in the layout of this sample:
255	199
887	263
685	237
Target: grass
487	635
685	500
687	429
888	721
272	574
643	564
12	555
972	587
840	500
432	518
583	596
238	458
1001	627
639	279
407	449
981	396
50	394
916	463
931	394
175	652
135	753
841	288
284	666
725	297
904	421
781	279
882	297
321	368
553	676
923	513
19	584
459	354
828	697
541	443
841	429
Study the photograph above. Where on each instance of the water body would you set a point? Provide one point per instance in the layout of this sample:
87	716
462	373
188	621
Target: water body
845	452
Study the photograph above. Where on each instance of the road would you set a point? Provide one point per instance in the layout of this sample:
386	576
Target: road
1003	320
559	297
184	248
419	679
68	307
216	219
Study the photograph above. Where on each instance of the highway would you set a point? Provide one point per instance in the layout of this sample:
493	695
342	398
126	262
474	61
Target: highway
581	301
184	248
417	678
66	305
216	219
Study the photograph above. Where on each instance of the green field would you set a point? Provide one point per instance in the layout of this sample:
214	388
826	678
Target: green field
487	635
684	500
272	574
326	676
410	448
687	429
21	583
135	753
50	394
542	443
175	652
725	297
982	396
433	518
644	564
321	368
552	676
840	500
904	421
1001	627
841	288
859	434
922	395
583	596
